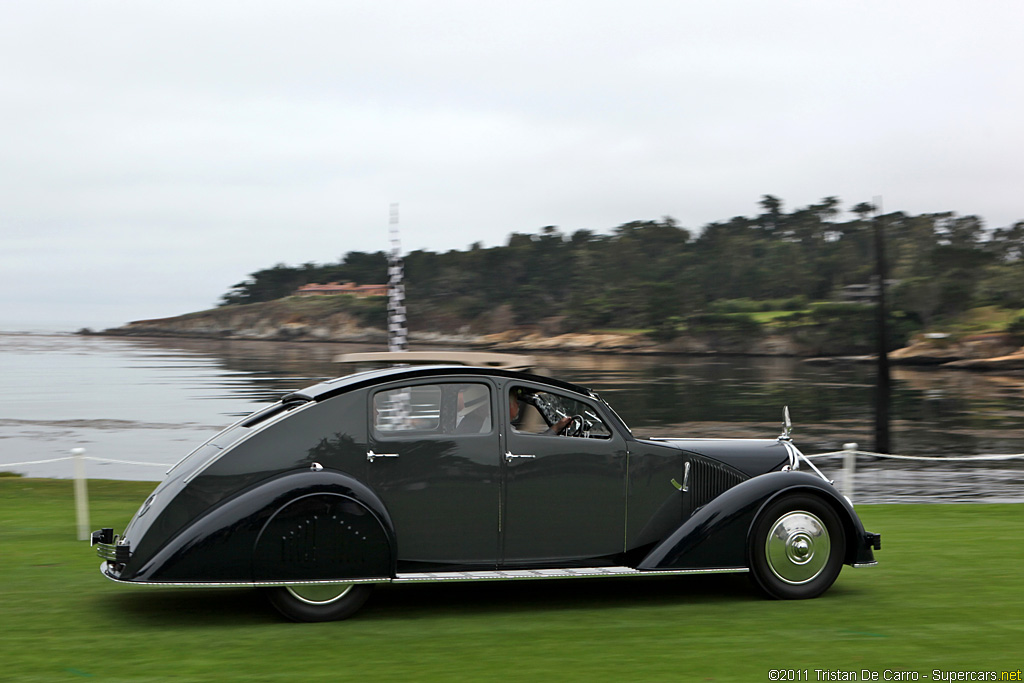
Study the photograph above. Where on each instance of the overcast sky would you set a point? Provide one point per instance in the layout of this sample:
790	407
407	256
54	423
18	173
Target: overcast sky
152	154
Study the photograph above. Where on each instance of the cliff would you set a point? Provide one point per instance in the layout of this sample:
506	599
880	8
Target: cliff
289	319
344	319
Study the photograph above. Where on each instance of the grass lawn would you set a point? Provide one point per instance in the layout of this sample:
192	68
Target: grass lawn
948	594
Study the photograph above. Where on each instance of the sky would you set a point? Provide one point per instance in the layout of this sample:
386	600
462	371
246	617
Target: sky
153	154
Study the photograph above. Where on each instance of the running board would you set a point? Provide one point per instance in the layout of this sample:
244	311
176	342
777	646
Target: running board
437	577
581	573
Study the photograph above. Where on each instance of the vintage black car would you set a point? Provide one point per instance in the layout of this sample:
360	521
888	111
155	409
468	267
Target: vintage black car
449	473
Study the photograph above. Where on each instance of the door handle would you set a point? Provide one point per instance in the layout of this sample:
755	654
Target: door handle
509	457
685	486
371	456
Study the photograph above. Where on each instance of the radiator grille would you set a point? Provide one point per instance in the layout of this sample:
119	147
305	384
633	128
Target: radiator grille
709	479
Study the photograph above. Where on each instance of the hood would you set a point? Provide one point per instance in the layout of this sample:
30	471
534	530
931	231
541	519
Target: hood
750	456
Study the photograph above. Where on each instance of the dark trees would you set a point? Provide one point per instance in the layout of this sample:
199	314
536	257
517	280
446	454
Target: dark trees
653	274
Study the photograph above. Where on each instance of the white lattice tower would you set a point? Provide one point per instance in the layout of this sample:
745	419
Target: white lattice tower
397	330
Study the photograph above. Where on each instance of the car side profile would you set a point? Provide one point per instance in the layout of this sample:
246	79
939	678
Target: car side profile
452	473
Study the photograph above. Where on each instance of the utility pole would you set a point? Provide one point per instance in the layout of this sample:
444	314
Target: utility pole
397	330
883	383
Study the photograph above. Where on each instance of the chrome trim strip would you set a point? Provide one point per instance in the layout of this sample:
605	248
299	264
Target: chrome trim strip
862	565
233	584
107	551
438	577
570	573
705	438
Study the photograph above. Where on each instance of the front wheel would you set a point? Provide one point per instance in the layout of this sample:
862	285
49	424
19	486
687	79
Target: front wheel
797	548
319	602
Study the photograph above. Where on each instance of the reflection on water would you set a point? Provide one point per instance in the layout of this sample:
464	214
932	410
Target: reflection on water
153	400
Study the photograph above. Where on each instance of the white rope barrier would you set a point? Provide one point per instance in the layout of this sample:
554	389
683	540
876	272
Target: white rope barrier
850	452
849	455
128	462
81	485
34	462
87	457
827	454
932	458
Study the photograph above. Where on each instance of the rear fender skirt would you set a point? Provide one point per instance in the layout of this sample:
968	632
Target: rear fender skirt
717	534
321	536
231	543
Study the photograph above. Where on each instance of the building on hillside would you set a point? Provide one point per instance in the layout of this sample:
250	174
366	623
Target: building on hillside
864	293
361	291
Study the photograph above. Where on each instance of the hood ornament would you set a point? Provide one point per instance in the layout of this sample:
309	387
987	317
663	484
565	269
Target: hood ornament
795	456
787	425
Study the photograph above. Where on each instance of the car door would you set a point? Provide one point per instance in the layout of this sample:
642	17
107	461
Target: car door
434	460
564	496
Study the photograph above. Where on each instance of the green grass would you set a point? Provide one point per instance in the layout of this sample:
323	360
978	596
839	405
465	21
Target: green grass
620	330
768	317
981	320
948	594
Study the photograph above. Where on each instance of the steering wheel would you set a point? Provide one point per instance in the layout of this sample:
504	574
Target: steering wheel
574	427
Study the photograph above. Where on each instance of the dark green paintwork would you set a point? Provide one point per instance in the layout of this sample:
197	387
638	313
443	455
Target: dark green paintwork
448	501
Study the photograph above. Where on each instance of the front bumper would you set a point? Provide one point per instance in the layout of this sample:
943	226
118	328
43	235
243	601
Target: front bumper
863	553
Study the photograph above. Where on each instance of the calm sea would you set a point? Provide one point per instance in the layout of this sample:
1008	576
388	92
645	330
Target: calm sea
151	401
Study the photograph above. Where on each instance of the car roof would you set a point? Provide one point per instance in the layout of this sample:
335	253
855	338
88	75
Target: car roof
340	385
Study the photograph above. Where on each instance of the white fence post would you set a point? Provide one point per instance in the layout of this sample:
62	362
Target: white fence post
81	495
849	468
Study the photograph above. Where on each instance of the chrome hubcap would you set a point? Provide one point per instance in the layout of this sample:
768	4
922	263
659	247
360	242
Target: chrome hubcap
797	547
320	594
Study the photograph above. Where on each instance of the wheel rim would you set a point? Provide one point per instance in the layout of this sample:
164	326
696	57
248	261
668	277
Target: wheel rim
320	594
798	547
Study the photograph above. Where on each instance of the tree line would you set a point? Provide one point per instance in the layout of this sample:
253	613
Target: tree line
658	275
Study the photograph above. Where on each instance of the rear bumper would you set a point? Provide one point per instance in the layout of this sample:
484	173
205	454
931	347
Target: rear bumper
108	547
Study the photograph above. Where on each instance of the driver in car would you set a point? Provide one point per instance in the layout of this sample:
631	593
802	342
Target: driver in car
517	408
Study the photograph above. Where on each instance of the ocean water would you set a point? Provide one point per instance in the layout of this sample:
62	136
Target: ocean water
120	399
151	401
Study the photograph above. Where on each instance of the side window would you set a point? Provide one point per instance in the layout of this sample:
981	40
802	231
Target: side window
472	409
450	408
408	409
542	412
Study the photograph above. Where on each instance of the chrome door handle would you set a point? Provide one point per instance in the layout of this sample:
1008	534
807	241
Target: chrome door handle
371	456
685	486
509	457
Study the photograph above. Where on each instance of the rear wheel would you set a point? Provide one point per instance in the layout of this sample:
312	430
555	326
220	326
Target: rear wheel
797	548
319	602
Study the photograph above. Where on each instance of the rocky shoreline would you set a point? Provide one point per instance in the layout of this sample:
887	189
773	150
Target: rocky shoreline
992	351
330	331
261	324
274	322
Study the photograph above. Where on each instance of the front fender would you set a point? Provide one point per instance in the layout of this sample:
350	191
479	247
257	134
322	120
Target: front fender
716	536
263	534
